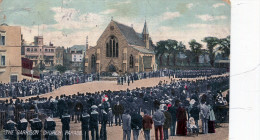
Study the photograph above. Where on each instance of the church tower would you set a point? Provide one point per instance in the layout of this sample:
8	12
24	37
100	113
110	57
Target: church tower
146	35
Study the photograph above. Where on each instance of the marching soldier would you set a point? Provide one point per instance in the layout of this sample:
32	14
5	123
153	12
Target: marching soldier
22	127
36	127
10	132
85	125
49	127
65	120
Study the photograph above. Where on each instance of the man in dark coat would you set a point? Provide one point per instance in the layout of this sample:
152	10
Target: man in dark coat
136	124
173	110
94	122
118	111
65	120
103	130
22	127
36	127
85	125
167	123
49	128
61	106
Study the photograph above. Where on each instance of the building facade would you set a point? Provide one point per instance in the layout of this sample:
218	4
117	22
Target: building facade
120	49
74	58
40	54
10	54
59	56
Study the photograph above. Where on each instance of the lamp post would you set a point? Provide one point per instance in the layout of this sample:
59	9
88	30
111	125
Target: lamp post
32	74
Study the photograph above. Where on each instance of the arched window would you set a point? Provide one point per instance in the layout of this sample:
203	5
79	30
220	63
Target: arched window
93	61
112	47
131	61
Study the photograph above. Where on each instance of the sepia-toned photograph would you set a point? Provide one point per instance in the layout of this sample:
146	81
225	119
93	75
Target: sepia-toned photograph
115	69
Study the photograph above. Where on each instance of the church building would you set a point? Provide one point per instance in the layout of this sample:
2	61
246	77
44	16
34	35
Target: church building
122	50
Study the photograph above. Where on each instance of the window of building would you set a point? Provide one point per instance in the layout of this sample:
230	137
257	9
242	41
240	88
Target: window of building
46	50
2	60
112	47
93	61
2	38
131	61
28	49
35	49
13	78
31	49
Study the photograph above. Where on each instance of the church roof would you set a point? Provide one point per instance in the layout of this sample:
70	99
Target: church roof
134	38
143	50
130	35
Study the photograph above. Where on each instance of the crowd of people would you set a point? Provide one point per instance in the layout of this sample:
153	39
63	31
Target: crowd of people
181	103
49	83
45	85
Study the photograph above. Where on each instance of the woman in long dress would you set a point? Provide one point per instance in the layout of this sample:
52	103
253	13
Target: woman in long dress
181	121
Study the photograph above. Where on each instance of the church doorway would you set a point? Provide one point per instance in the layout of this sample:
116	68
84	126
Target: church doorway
111	68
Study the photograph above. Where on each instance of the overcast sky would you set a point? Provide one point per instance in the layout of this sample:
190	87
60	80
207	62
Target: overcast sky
68	22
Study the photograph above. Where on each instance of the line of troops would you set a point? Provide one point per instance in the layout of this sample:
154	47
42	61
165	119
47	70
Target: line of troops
130	78
92	109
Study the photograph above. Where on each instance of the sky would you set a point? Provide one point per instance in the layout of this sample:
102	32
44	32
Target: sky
68	22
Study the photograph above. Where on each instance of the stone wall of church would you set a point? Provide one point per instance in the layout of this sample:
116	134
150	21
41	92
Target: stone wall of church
121	63
111	30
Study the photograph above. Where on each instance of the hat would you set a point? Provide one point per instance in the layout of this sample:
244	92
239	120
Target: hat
161	102
192	101
94	107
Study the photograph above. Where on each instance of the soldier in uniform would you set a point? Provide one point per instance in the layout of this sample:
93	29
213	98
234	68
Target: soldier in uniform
36	127
9	128
103	130
85	125
65	120
22	127
94	122
49	128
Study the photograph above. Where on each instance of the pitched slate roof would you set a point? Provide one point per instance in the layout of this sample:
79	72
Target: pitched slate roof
130	35
78	47
134	38
143	50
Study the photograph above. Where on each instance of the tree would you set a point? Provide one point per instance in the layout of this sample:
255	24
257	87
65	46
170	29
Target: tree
160	50
212	42
225	46
189	56
174	48
60	68
195	50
